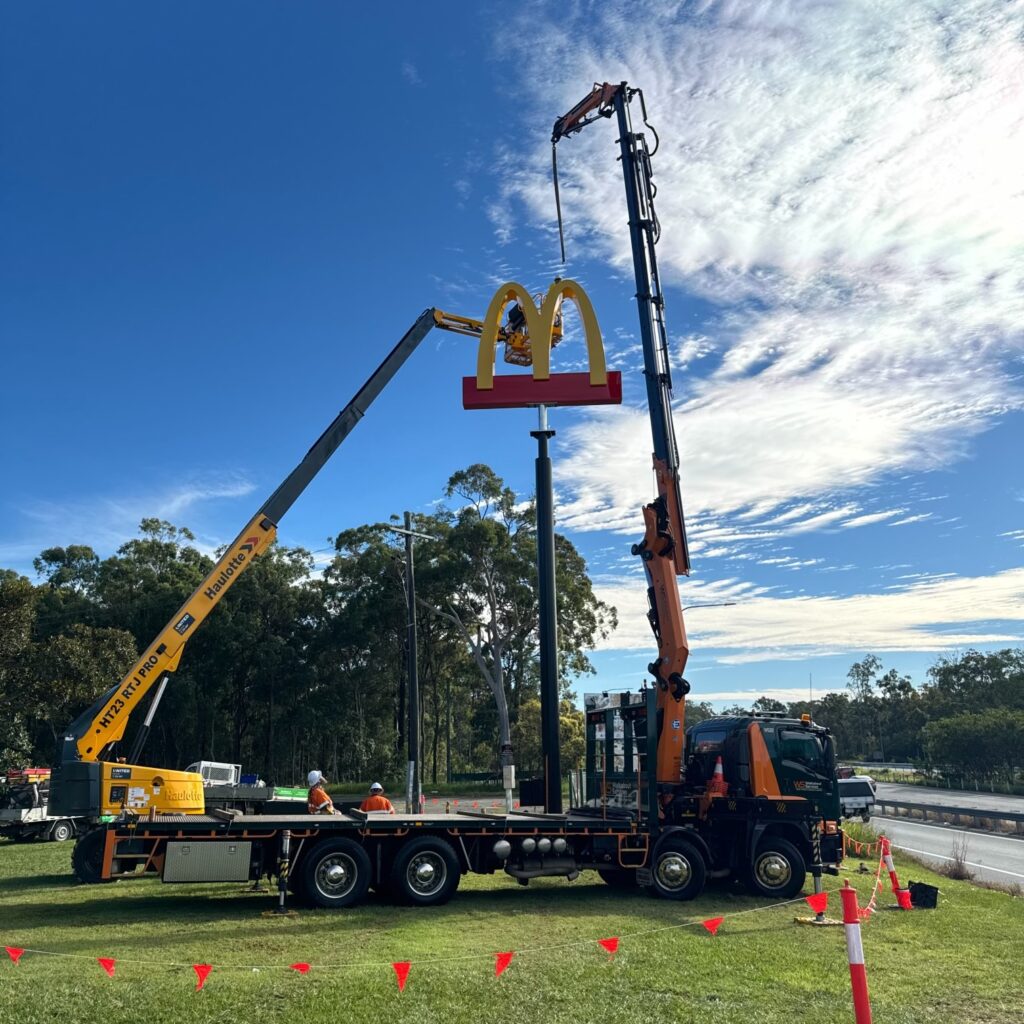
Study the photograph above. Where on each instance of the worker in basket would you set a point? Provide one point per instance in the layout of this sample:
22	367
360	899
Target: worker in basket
377	801
318	802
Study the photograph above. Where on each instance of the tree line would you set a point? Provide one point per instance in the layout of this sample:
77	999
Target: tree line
966	718
302	665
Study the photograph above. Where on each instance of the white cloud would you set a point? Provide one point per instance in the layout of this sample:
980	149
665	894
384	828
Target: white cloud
411	73
107	522
843	178
936	613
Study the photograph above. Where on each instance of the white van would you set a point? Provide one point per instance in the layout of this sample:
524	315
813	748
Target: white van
857	797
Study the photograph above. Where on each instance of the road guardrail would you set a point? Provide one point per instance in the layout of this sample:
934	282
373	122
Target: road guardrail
988	819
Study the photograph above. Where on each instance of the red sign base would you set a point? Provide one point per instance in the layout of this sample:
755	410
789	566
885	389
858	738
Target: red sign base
521	391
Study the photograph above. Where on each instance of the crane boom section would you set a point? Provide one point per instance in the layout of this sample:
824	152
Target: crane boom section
104	723
663	548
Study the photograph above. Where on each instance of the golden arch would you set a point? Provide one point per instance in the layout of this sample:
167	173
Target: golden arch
540	324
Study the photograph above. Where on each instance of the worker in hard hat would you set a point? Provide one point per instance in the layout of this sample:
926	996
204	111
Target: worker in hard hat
377	801
318	802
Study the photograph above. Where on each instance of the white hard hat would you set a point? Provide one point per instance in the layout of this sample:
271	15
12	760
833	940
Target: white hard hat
376	785
313	778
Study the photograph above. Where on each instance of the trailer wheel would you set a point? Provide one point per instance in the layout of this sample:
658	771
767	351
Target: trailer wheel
778	869
62	831
618	878
87	858
335	873
426	872
678	871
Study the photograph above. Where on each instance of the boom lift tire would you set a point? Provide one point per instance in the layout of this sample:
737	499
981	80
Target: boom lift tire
778	869
335	873
618	878
426	872
62	831
678	871
87	858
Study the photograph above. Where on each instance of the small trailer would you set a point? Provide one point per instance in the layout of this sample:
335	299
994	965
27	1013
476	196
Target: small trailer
759	803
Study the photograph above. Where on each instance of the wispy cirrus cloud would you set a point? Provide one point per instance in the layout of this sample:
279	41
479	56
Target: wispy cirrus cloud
106	522
843	181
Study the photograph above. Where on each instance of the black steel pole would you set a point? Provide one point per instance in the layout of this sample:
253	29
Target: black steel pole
547	622
413	784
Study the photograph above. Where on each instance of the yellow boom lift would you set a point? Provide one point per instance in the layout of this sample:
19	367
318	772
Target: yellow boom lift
90	780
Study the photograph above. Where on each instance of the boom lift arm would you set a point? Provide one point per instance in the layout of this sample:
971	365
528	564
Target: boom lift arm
663	548
92	734
86	778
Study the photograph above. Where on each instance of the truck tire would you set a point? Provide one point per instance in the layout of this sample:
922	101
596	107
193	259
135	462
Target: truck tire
335	873
62	831
677	871
87	858
778	869
426	872
618	878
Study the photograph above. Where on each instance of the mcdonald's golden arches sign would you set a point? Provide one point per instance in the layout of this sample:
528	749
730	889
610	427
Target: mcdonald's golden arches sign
486	390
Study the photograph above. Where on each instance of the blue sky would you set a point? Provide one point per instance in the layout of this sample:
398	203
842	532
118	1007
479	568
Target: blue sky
218	218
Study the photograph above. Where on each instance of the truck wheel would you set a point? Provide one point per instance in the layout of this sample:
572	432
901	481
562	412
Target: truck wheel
62	831
426	872
866	817
335	873
678	871
87	858
778	869
618	878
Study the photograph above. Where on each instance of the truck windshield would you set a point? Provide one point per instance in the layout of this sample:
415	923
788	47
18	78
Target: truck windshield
709	742
806	749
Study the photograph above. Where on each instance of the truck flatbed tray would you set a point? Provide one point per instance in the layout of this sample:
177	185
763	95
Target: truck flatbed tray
376	822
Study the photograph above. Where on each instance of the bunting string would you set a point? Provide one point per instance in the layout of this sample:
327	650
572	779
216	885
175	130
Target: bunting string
401	968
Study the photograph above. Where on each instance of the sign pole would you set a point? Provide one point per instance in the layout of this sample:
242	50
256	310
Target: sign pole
548	621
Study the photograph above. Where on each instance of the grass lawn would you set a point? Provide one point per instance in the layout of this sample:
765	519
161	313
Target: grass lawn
960	963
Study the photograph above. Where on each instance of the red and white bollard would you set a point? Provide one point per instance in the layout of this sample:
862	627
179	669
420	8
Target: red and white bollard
902	895
855	954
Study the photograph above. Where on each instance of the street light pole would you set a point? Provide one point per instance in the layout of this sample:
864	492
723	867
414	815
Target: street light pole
413	788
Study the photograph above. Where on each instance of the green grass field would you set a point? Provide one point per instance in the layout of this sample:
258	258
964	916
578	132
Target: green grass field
960	963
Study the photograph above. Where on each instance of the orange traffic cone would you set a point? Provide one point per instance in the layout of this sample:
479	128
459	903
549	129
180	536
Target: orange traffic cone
718	786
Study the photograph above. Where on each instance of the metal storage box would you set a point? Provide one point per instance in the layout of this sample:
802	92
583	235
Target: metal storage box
198	861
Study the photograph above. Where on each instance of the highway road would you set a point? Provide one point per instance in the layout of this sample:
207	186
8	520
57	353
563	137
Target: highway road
950	797
990	858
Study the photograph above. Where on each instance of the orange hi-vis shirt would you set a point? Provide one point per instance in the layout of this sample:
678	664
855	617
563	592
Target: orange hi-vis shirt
377	803
317	800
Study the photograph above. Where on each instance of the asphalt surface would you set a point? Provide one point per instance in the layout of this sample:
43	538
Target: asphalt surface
990	858
950	797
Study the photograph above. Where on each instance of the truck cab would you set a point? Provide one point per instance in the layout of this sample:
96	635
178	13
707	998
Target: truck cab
801	758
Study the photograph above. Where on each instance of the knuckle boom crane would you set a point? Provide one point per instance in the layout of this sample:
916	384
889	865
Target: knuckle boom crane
663	548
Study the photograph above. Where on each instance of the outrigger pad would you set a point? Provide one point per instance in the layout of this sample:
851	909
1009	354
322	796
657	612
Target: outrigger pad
518	391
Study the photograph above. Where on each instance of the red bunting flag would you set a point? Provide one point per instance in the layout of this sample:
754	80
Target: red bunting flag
301	968
817	902
107	964
712	924
202	972
515	804
14	953
476	803
401	969
611	944
501	961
